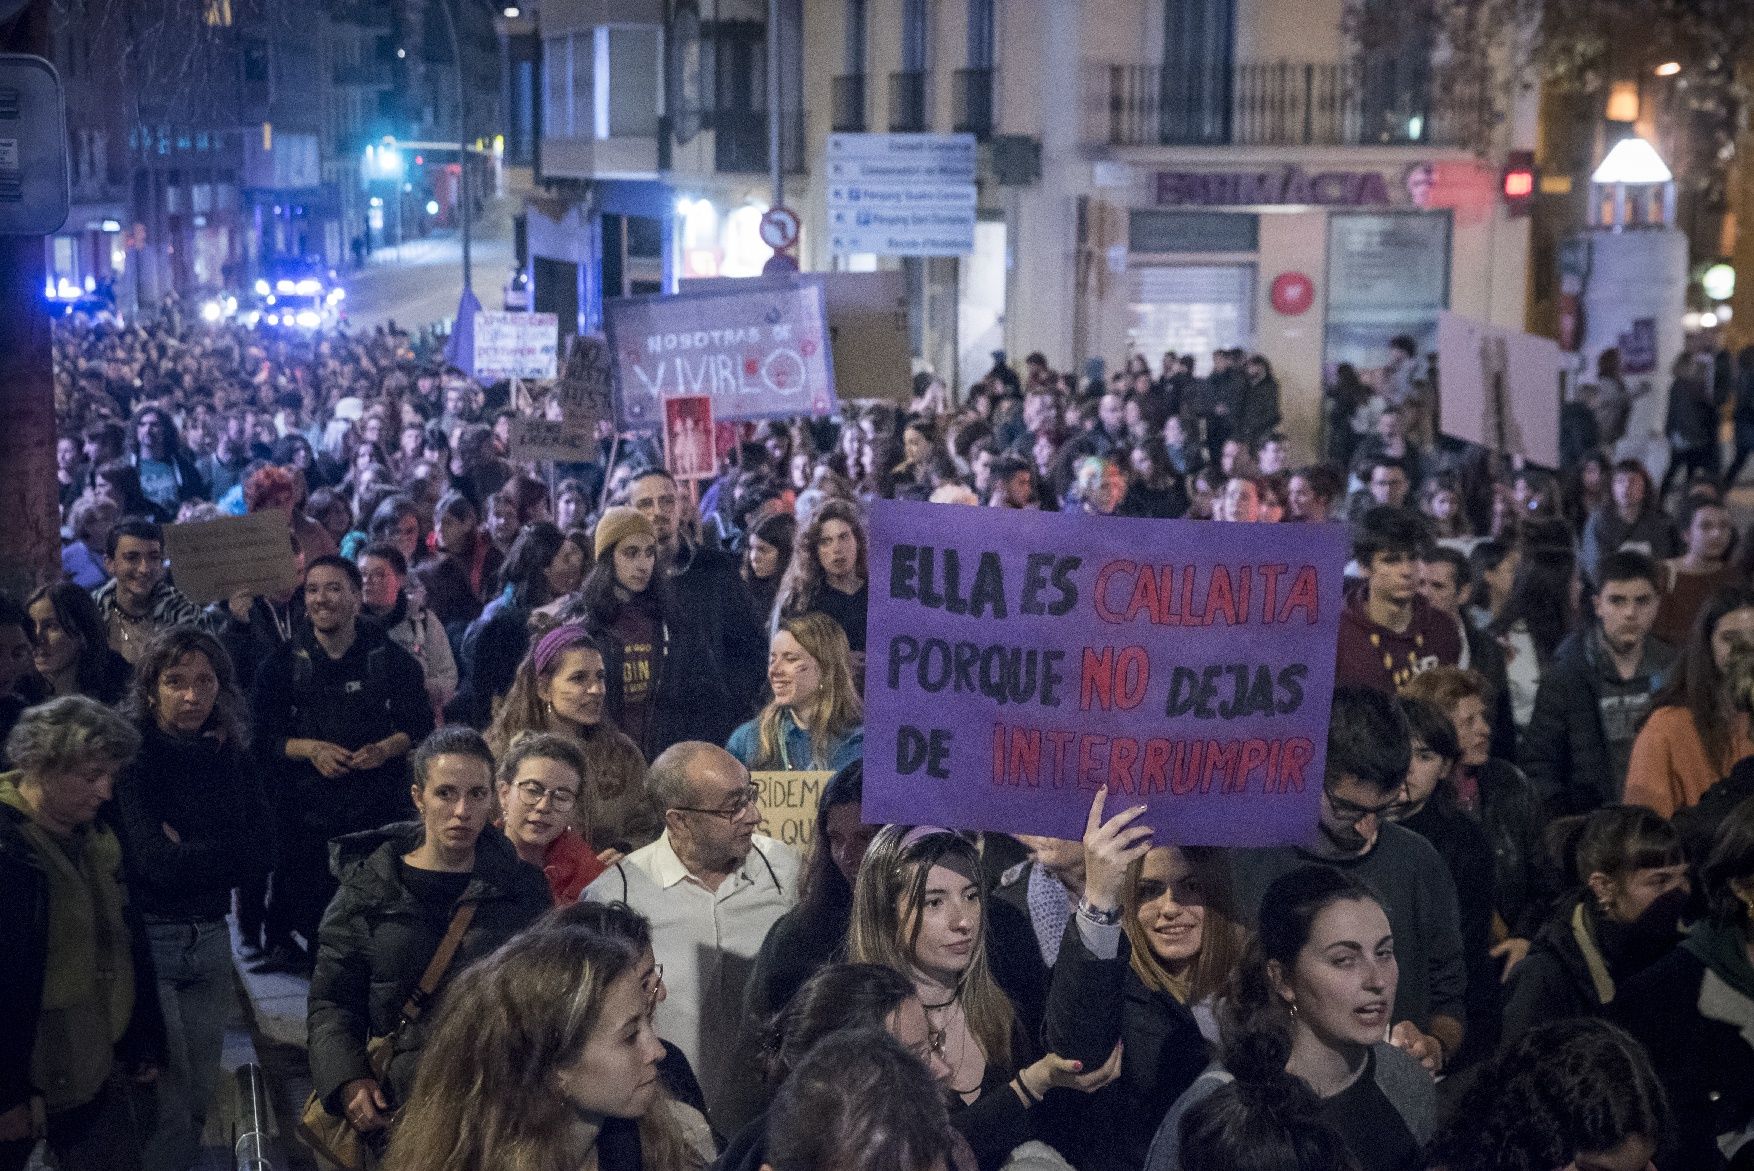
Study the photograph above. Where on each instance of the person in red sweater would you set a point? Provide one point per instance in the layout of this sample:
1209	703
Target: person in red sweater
1388	633
540	778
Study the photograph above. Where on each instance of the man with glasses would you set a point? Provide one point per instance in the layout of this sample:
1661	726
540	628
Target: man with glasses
1364	789
711	888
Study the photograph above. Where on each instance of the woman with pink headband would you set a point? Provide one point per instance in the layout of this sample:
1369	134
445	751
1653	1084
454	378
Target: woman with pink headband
559	687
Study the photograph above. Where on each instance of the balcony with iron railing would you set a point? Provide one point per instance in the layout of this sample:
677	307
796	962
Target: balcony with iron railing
1386	102
974	102
849	103
909	102
740	141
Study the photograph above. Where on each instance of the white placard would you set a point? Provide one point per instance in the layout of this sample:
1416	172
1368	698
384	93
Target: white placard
515	345
1524	419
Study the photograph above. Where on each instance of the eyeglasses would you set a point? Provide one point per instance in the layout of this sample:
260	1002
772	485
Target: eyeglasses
560	799
738	806
654	984
1351	812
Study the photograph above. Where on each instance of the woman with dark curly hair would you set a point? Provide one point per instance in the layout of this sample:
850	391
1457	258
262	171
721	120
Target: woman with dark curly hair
194	823
829	574
1578	1095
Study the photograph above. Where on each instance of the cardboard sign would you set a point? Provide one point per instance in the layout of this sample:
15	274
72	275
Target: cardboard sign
562	441
689	450
1021	660
1501	388
585	390
759	351
788	803
213	559
515	345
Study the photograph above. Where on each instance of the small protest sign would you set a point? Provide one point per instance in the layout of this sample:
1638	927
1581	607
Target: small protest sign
1501	388
213	559
515	345
585	391
760	352
689	437
1021	660
562	441
788	802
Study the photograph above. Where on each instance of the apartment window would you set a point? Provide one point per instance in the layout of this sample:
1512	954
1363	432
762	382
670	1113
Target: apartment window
217	13
914	23
1199	58
857	23
980	34
556	78
628	82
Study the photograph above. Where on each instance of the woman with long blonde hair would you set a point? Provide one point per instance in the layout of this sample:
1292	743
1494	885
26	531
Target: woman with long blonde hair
560	688
918	908
815	720
544	1059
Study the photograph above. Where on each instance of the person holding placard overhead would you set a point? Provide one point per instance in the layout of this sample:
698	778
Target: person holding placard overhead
815	719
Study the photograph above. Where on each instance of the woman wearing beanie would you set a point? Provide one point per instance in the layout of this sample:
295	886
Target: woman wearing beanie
624	602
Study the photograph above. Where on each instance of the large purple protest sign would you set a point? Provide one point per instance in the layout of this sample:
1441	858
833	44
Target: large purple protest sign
759	352
1018	661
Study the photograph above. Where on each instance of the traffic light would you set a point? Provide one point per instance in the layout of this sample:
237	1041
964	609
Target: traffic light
1519	182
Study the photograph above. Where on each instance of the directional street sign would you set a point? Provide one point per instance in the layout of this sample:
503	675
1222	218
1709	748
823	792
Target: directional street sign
902	194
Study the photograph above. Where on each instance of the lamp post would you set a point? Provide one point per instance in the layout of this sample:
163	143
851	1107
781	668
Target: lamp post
444	6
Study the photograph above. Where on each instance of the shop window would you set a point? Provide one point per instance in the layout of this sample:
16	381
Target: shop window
1152	231
1388	274
1191	309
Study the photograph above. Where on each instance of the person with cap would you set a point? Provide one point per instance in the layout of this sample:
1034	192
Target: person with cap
624	606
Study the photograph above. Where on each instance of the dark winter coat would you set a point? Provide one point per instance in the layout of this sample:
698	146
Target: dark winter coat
210	792
377	938
1565	748
1094	1003
1694	1012
370	693
1524	881
709	656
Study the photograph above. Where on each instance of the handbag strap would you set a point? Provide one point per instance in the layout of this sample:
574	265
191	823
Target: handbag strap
441	960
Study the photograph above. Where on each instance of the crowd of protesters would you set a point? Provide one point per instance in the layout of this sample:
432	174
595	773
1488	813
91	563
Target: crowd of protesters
484	776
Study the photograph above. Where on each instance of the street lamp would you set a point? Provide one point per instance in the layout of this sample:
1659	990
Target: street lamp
1634	164
444	6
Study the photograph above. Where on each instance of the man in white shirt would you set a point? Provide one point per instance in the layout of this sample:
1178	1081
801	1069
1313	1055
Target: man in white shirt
711	887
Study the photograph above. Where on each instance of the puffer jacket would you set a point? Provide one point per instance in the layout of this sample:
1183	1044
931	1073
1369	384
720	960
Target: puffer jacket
377	938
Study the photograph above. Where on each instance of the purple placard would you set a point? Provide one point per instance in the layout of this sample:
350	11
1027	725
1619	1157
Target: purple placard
1019	660
759	352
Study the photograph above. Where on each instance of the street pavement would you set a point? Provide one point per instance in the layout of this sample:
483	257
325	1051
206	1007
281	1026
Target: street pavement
418	283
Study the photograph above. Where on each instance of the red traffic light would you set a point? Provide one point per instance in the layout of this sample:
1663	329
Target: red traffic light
1519	182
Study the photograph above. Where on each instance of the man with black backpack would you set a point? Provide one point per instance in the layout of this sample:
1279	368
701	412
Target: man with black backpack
337	710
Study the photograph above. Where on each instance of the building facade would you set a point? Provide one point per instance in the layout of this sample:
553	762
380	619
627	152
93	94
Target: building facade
1155	174
1212	173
